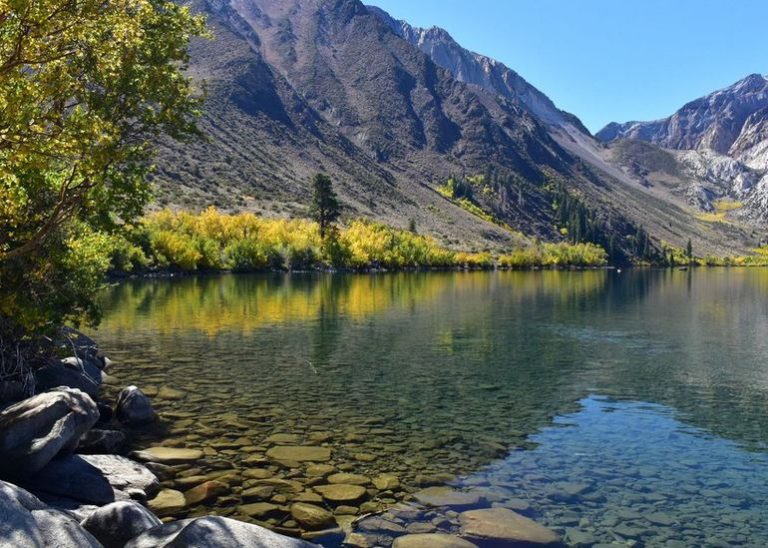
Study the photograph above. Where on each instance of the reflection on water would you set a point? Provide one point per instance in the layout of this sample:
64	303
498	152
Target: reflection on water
447	372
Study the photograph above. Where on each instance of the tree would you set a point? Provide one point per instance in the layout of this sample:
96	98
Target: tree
325	205
689	251
86	87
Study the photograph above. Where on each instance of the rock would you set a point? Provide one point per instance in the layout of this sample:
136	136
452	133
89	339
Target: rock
86	366
261	492
386	482
74	508
320	469
205	491
11	392
282	439
94	479
380	525
431	540
168	455
300	453
101	442
310	516
340	492
168	393
501	525
259	509
577	537
37	429
26	521
420	527
349	479
257	473
72	339
214	532
167	503
445	496
364	457
55	376
134	407
429	480
105	413
115	524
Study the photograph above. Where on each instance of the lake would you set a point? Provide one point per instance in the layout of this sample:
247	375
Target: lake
612	407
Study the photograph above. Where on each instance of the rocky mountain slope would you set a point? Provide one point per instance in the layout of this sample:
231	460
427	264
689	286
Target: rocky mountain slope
391	112
720	146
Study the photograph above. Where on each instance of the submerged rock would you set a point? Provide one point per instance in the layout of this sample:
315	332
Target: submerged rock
300	453
168	455
505	527
206	491
115	524
168	502
35	430
27	521
214	532
134	407
445	496
339	492
432	540
311	516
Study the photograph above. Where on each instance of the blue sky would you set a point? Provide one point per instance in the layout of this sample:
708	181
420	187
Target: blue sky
609	60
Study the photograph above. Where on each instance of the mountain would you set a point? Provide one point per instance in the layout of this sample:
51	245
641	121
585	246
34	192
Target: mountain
720	145
391	112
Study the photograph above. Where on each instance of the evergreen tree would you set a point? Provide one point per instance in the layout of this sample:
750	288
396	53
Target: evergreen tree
689	251
325	205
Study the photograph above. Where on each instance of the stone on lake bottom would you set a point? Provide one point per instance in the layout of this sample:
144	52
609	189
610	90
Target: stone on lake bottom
502	525
445	496
349	479
168	455
205	491
339	492
167	503
432	540
300	453
311	516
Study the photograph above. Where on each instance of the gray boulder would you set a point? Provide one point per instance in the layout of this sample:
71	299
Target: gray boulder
134	407
57	375
115	524
35	430
214	532
85	365
95	442
26	521
11	392
95	479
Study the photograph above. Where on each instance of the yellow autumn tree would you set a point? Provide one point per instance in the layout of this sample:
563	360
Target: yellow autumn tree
86	86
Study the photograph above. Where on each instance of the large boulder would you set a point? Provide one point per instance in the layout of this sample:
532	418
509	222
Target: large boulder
115	524
97	442
11	392
503	527
134	407
95	479
26	521
35	430
58	375
86	365
214	532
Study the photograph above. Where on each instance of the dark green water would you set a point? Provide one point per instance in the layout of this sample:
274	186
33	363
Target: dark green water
625	408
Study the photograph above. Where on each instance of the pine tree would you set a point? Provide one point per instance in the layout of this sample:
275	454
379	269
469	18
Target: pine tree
325	208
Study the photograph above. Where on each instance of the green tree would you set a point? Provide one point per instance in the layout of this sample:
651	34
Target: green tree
689	251
325	209
86	87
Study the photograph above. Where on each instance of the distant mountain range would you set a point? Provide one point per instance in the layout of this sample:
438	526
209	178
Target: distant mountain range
392	111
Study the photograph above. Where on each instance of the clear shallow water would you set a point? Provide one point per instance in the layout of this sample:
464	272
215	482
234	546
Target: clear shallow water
612	407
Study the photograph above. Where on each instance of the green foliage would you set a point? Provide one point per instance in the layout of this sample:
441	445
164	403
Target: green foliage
85	87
